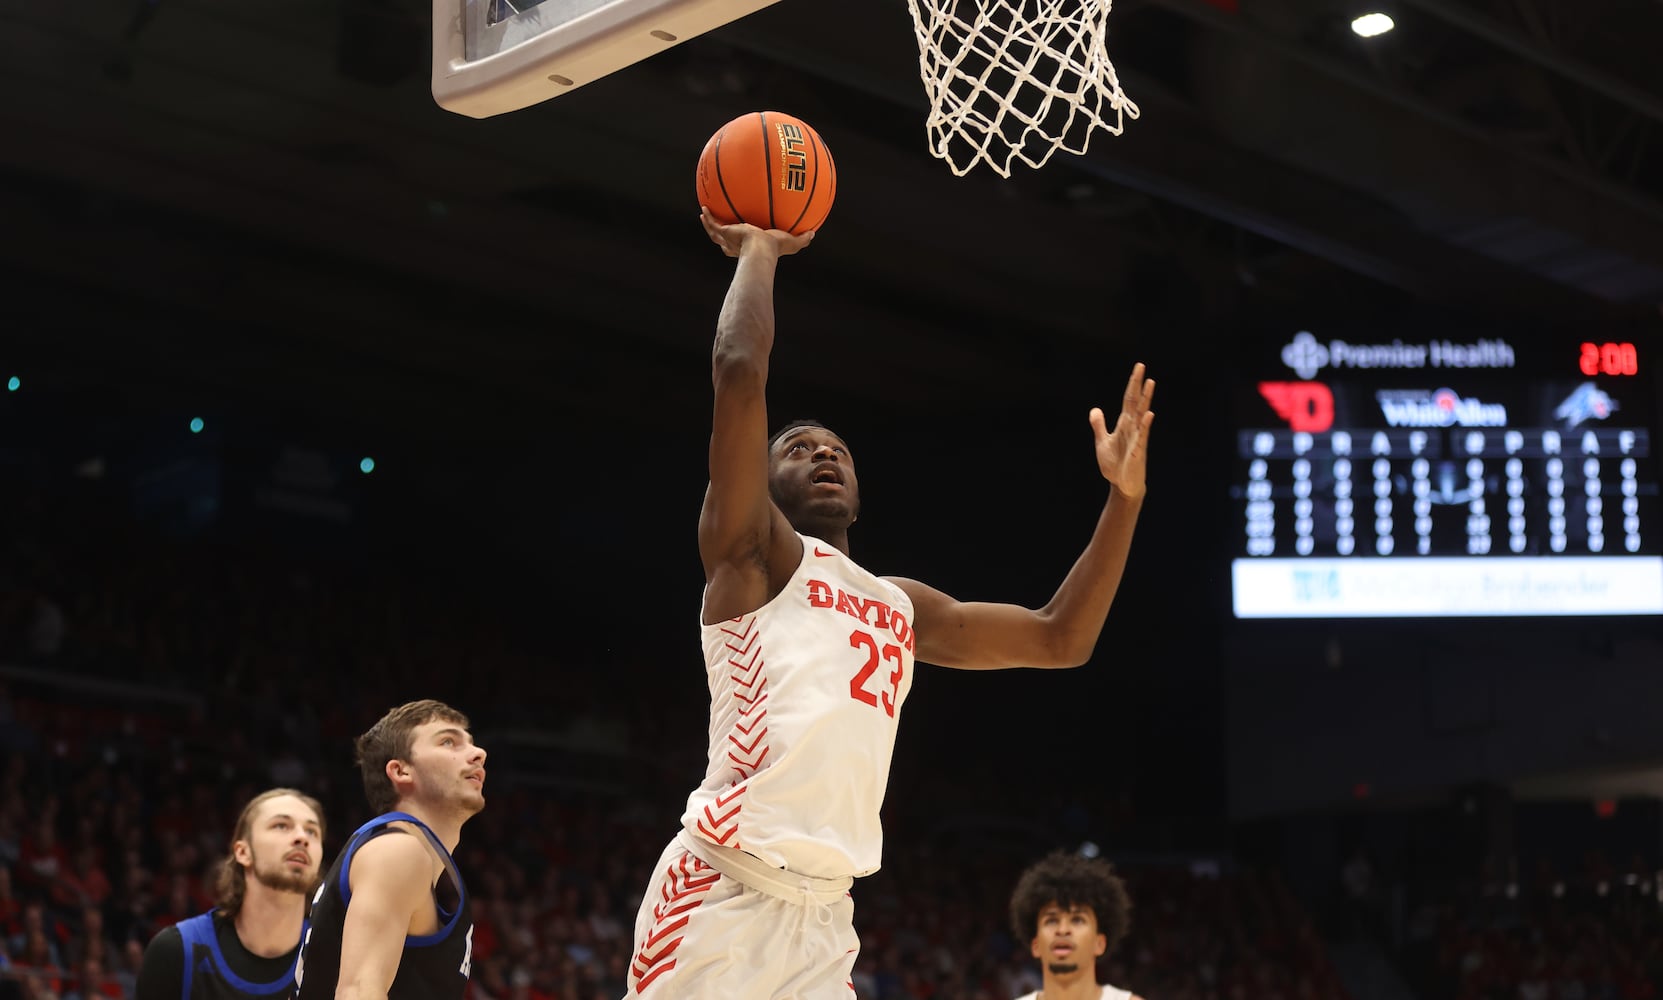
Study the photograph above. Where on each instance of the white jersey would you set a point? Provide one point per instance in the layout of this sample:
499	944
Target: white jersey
805	696
1108	993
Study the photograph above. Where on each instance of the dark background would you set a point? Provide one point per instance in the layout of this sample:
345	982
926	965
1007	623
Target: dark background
255	214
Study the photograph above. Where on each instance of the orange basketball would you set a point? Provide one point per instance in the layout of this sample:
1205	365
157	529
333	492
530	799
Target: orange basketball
770	170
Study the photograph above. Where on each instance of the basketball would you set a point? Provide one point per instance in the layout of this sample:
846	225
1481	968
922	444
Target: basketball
770	170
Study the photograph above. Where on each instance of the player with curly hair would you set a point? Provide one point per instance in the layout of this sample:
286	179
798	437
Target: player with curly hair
1075	910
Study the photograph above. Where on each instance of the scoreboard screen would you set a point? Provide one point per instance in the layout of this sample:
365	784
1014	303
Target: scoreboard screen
1437	478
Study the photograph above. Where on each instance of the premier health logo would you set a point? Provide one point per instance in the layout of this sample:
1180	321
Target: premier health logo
1305	355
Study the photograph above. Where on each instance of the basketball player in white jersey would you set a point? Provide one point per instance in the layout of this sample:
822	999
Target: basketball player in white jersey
809	658
1076	911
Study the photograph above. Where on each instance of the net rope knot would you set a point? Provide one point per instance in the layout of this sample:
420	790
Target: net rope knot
1016	80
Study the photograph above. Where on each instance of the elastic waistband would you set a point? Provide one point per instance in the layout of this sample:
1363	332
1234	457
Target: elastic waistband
781	883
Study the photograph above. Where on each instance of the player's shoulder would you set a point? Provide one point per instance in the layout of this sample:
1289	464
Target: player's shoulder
169	938
391	867
395	844
162	966
922	597
198	928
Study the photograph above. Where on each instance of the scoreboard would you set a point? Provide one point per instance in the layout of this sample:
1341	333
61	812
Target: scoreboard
1487	477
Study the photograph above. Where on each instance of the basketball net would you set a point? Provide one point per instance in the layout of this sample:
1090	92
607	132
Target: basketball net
1016	79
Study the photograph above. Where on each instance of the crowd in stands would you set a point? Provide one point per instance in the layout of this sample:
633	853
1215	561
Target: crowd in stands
97	855
149	686
1589	932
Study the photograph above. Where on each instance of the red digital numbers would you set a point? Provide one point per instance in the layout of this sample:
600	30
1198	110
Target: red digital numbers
857	683
1609	359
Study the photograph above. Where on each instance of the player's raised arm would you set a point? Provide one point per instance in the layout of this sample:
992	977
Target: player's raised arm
736	523
978	636
385	901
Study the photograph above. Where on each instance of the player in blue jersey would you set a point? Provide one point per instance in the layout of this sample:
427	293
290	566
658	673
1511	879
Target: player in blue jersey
392	919
245	948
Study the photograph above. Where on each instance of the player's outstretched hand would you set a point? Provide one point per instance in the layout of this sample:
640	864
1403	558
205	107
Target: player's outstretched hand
733	238
1121	450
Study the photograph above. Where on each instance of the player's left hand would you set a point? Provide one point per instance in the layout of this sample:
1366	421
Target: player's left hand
1121	450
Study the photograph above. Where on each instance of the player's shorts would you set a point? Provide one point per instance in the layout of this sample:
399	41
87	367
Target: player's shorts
717	924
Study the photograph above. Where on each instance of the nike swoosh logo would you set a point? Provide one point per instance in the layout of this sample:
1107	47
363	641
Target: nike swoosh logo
823	555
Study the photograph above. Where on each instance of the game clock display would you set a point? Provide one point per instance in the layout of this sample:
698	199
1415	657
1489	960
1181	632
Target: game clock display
1485	477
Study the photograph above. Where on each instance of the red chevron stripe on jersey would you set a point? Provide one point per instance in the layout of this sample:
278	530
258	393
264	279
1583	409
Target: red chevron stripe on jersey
748	674
721	825
744	634
742	745
747	752
747	638
686	884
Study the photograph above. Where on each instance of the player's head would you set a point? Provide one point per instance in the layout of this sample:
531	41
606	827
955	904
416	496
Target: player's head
422	753
1072	909
811	478
277	842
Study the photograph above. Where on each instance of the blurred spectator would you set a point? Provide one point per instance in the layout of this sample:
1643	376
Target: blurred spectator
1590	936
116	807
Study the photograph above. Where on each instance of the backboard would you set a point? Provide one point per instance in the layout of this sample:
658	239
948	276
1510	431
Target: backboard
1009	81
495	56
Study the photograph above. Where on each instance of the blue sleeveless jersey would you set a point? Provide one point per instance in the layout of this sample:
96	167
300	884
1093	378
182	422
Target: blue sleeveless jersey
434	966
209	977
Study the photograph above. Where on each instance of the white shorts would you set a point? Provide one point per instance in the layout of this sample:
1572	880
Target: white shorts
720	925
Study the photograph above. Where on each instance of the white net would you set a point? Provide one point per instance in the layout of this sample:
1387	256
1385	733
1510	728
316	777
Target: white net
1016	80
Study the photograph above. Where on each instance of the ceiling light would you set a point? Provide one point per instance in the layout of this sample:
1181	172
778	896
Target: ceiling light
1369	25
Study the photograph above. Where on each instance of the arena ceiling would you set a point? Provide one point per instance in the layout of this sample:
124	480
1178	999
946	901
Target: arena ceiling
261	200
